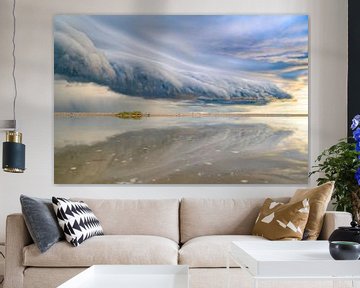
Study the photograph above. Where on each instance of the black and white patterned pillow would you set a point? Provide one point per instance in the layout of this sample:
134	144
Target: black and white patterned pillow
77	220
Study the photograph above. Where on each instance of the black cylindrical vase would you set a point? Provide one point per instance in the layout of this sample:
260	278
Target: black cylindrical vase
13	153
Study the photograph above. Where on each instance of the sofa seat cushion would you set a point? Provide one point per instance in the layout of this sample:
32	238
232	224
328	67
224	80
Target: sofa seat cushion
211	251
108	249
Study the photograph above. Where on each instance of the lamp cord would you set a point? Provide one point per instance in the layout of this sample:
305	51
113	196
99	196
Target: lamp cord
14	61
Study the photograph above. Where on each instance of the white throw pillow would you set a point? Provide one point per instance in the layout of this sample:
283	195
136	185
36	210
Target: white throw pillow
76	220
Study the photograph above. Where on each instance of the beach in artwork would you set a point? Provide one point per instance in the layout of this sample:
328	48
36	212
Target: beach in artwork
159	102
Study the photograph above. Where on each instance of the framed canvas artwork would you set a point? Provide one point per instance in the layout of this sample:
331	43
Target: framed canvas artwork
180	99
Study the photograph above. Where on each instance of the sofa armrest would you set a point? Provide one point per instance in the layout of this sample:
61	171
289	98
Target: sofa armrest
17	237
333	220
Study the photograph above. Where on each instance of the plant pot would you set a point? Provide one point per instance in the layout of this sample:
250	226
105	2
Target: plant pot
350	234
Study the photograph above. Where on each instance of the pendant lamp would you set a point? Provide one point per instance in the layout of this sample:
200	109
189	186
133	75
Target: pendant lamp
13	160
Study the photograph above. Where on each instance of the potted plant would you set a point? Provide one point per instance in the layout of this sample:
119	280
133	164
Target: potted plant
341	163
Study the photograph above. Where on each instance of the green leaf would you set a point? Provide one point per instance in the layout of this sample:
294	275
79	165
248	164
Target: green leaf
338	163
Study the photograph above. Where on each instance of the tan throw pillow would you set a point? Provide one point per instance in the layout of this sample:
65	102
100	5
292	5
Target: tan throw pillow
319	198
279	221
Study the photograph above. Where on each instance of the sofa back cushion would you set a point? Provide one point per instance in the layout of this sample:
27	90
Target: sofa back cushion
158	217
200	217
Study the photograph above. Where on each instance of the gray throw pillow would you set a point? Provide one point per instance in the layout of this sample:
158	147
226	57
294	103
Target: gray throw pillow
41	221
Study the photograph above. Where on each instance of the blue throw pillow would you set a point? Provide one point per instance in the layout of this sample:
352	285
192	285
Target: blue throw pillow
41	221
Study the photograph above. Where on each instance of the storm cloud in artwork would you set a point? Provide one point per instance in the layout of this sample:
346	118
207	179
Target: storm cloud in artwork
221	59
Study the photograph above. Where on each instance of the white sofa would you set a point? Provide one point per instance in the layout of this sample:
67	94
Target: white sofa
194	232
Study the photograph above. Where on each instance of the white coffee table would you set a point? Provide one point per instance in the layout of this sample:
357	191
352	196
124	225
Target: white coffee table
131	276
292	260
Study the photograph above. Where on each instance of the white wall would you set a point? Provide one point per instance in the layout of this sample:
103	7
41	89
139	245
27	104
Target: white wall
328	52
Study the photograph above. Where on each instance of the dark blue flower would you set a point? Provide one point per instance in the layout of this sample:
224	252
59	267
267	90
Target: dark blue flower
357	176
357	147
355	122
356	134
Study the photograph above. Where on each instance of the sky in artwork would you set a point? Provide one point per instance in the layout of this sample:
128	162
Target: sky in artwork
223	58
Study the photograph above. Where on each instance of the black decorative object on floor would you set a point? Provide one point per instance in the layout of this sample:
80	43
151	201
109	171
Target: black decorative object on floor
77	220
343	250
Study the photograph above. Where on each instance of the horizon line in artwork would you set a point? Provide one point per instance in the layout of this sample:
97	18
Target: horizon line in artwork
139	114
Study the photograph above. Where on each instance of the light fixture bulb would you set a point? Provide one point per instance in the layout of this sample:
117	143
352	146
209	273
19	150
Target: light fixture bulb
13	153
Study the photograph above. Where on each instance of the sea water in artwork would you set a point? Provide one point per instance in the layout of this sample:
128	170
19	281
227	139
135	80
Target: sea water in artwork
175	99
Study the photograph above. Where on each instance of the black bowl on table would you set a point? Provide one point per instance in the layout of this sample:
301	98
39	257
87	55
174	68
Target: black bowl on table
344	250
